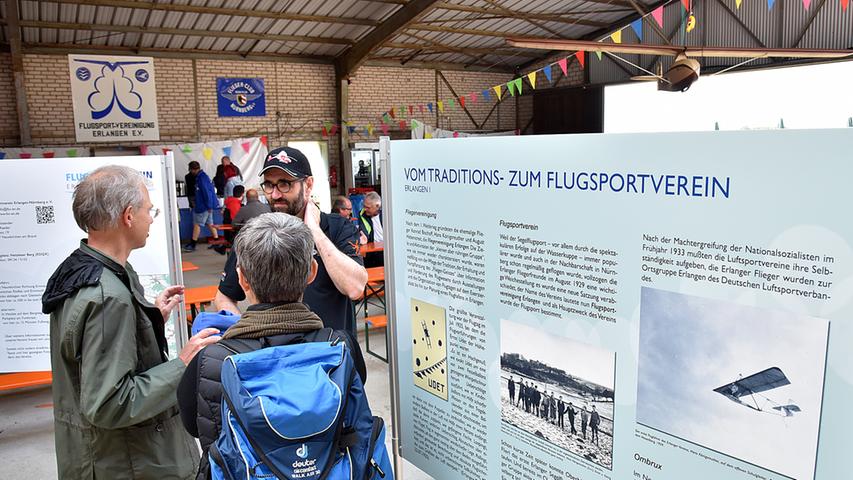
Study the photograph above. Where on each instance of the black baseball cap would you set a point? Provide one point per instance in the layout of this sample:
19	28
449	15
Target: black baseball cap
289	160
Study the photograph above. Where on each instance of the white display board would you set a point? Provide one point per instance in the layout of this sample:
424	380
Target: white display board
114	98
685	300
38	231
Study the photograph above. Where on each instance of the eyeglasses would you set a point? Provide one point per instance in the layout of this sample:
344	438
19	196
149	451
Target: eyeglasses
283	186
154	211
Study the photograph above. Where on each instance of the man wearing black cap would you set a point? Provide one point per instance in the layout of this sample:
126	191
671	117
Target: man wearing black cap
287	184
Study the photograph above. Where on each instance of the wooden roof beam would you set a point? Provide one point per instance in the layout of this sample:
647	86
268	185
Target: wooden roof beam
234	12
399	20
181	31
438	47
507	13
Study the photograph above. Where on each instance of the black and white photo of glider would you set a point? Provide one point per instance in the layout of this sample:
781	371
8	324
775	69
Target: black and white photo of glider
747	388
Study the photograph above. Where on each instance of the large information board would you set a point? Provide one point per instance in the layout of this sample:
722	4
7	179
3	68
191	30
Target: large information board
38	231
660	306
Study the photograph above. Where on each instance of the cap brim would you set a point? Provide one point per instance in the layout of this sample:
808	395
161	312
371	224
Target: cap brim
285	170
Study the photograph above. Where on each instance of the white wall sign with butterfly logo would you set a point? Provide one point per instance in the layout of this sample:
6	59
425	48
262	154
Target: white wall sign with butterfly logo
114	98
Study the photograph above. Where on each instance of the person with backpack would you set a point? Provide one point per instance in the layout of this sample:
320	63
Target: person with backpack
275	264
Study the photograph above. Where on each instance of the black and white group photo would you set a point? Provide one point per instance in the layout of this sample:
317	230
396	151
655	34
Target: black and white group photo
559	390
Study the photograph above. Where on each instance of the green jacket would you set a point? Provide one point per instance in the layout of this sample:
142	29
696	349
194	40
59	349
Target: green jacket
114	390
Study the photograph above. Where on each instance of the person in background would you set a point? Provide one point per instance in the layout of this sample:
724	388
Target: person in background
250	210
370	223
275	264
343	207
114	406
225	171
584	420
288	183
205	203
233	204
189	183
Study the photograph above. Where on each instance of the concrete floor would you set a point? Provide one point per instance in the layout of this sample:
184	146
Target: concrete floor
26	422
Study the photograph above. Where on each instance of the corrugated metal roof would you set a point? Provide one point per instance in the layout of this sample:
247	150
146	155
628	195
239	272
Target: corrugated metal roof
463	32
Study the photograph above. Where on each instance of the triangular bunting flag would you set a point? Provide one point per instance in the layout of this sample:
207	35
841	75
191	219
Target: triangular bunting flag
580	56
429	106
686	4
440	106
421	108
325	131
462	101
616	36
167	150
333	131
637	26
411	110
350	129
26	155
187	149
384	128
427	135
450	103
844	5
403	124
563	63
486	96
657	14
391	112
370	129
207	153
71	153
247	145
48	154
737	3
473	97
414	124
807	4
531	77
598	54
264	141
770	4
143	150
227	150
455	134
402	111
498	90
511	87
3	155
517	83
547	71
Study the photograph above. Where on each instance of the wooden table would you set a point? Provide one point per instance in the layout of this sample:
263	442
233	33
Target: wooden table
371	247
196	298
188	266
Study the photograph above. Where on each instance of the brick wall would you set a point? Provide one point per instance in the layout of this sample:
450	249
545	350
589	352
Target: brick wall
175	102
299	98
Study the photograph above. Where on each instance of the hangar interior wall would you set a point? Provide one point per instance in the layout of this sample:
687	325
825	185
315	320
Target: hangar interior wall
299	97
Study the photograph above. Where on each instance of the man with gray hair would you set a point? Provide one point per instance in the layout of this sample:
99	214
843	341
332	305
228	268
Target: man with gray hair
370	223
115	414
275	264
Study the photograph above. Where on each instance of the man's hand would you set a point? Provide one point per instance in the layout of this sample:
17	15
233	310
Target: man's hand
197	342
168	300
312	214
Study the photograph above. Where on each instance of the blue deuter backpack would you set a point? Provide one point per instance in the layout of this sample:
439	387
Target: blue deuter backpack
297	412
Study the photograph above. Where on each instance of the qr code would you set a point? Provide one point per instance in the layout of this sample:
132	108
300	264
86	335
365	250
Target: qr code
45	214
